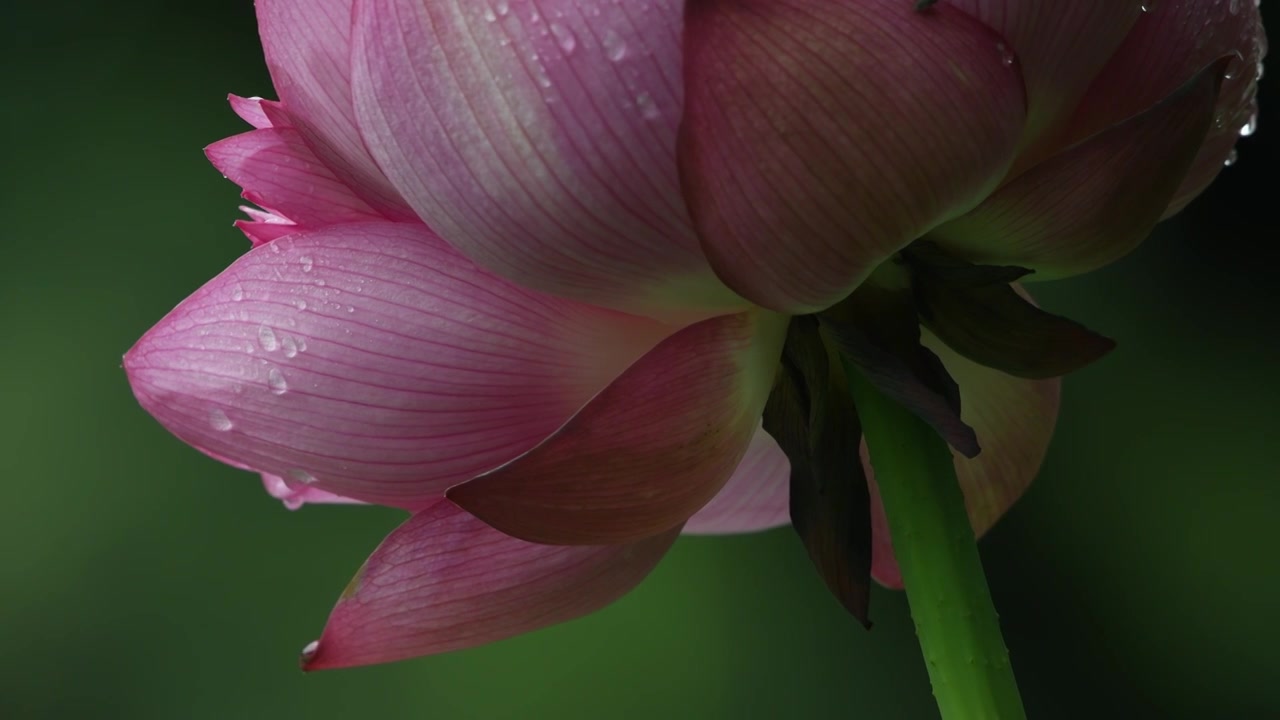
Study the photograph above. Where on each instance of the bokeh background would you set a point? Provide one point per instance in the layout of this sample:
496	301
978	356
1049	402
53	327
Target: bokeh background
1139	578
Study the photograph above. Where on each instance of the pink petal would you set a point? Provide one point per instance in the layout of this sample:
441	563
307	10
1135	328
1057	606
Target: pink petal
252	110
1168	47
821	137
647	452
295	494
539	139
374	362
308	45
279	172
260	232
445	581
1093	203
1014	419
757	496
1060	45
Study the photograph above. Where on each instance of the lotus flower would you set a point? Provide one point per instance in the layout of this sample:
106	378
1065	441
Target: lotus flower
525	268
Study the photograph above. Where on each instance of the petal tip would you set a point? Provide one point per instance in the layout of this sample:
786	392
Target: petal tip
307	659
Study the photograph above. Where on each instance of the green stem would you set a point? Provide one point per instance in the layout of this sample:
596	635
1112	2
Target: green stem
937	552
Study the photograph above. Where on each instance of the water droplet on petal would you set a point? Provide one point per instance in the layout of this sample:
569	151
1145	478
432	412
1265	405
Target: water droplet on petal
1232	158
307	263
302	476
219	421
237	293
267	339
276	381
309	652
565	37
615	48
289	346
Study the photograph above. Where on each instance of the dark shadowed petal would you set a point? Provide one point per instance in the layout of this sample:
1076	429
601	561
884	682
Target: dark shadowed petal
755	498
1014	419
1095	202
308	45
1167	47
539	139
821	137
374	362
445	581
1060	45
647	452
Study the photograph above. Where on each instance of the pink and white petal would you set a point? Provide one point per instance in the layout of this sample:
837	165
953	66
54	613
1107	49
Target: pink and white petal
295	494
539	139
261	232
757	496
374	362
1093	203
252	110
307	44
1060	46
279	172
819	137
445	581
650	450
1014	419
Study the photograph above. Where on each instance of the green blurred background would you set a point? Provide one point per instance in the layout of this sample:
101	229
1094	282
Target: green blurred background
1139	578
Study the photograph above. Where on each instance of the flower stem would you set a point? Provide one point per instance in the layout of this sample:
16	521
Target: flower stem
937	552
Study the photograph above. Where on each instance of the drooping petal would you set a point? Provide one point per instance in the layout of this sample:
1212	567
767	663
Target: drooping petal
279	172
374	362
1014	419
1061	46
821	137
445	581
252	110
295	494
539	139
650	450
307	44
756	496
1095	202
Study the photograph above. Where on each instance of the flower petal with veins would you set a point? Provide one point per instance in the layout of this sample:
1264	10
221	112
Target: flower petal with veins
374	362
540	141
822	137
756	496
445	581
307	44
650	450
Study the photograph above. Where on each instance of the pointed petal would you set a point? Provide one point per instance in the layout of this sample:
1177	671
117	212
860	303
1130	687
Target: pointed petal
251	110
814	143
374	362
445	581
295	494
307	45
540	141
647	452
755	498
1014	419
1095	202
1061	47
279	172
